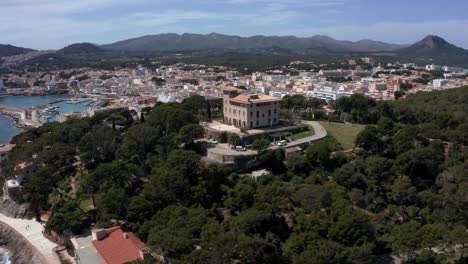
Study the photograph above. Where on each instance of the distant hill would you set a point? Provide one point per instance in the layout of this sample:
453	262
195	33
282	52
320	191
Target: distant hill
80	48
214	41
437	49
9	50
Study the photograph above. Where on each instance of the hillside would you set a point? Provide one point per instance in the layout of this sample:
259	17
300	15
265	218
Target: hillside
437	49
79	48
398	194
214	41
9	50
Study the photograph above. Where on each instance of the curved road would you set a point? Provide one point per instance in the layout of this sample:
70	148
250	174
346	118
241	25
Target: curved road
320	133
226	150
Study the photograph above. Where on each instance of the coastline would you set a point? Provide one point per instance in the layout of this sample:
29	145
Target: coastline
33	94
14	120
25	241
15	117
18	248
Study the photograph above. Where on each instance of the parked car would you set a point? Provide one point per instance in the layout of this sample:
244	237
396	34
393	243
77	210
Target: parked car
240	148
213	141
282	143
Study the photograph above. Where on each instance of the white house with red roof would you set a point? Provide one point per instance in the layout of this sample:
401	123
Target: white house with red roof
111	246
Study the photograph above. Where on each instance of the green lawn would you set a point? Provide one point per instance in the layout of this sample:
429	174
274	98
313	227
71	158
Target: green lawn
303	134
86	205
345	133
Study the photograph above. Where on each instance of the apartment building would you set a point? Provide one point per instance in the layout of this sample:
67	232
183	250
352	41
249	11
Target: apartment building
250	110
326	93
439	83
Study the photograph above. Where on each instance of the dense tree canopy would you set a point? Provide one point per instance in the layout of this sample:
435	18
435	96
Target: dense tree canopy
401	192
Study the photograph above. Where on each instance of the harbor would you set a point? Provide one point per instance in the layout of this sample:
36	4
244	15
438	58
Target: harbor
22	112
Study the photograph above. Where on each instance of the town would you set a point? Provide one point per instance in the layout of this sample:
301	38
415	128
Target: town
233	131
142	87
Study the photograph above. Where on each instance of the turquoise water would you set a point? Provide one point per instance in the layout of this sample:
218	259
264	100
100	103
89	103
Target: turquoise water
29	101
7	130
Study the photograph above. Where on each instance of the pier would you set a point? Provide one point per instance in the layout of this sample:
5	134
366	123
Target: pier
26	117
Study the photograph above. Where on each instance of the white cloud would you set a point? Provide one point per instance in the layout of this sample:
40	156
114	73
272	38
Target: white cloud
56	23
169	17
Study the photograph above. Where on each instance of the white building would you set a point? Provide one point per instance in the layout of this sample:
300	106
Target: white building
433	67
167	98
408	65
378	69
452	69
327	93
277	94
277	78
438	83
368	81
12	188
367	60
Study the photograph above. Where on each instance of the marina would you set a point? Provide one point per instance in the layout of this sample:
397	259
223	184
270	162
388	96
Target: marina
18	112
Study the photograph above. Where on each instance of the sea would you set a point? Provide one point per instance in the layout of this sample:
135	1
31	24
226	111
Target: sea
4	258
8	130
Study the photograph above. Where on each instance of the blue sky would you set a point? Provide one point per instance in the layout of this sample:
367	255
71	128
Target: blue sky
52	24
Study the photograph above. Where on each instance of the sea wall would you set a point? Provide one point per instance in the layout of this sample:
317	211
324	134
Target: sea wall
20	250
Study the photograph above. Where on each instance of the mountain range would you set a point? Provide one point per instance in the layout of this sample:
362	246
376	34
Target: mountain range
214	41
430	49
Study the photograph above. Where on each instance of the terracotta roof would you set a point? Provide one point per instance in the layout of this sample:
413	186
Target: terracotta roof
23	165
254	99
116	249
231	89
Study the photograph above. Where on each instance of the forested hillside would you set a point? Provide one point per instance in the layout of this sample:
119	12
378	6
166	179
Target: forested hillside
403	192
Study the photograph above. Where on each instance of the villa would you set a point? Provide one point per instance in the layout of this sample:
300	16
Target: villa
250	110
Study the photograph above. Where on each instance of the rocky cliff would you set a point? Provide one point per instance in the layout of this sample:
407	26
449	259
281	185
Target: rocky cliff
20	249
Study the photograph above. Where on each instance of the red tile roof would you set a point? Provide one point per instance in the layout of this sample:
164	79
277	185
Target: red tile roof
115	249
23	165
254	99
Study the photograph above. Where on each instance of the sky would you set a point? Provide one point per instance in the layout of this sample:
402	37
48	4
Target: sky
53	24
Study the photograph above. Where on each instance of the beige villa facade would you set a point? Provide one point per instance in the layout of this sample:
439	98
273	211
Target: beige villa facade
250	110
